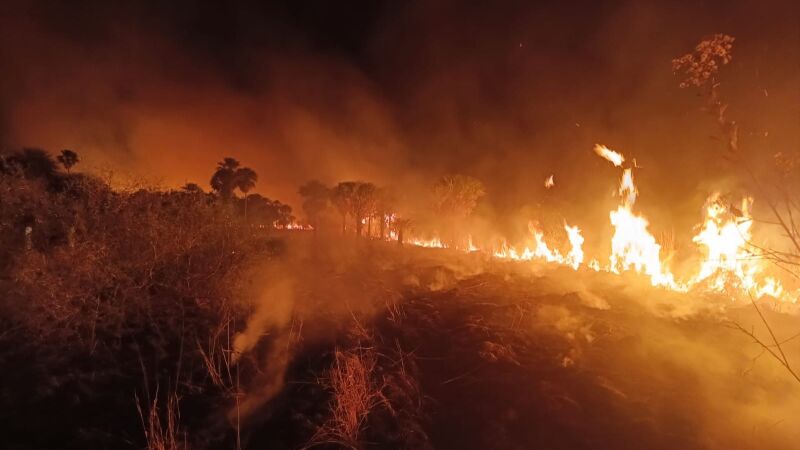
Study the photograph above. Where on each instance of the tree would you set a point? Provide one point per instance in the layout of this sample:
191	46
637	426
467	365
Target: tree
229	176
384	208
192	188
34	163
316	197
342	197
223	180
454	199
364	202
457	195
245	179
269	213
68	158
401	224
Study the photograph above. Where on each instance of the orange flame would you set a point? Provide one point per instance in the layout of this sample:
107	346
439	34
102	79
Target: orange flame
615	158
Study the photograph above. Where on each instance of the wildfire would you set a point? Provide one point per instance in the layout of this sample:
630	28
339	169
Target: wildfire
428	243
632	246
727	263
541	250
292	226
575	255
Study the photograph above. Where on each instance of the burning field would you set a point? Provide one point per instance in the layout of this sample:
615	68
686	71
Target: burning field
503	226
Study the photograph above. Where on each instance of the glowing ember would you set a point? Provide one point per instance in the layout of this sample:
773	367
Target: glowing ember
549	182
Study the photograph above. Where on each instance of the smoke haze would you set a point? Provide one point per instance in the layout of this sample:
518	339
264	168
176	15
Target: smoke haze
401	93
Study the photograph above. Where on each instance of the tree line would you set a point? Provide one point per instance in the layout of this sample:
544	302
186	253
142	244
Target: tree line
366	209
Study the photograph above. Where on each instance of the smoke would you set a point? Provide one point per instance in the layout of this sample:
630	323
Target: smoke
507	92
272	311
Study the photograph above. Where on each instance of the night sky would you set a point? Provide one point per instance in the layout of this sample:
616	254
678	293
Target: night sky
399	92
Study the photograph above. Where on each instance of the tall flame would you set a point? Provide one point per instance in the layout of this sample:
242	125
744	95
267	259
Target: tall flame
575	255
632	246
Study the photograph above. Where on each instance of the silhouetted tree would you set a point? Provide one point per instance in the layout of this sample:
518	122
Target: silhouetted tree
35	163
364	201
316	197
68	158
384	207
223	181
401	224
284	213
269	213
230	176
342	198
192	188
245	179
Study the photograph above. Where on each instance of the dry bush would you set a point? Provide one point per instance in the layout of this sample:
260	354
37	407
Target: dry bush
375	397
108	291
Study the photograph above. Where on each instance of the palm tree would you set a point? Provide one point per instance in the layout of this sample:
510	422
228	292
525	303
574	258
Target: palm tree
245	179
224	179
68	158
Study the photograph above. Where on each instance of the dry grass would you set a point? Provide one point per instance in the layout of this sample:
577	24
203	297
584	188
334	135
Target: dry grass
356	393
162	433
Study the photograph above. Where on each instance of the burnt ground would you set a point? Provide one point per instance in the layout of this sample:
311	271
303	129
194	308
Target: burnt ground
520	355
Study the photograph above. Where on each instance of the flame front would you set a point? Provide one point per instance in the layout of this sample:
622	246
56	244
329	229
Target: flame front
727	263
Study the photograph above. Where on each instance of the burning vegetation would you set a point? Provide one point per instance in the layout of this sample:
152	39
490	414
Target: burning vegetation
406	311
